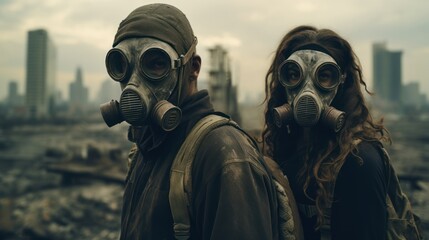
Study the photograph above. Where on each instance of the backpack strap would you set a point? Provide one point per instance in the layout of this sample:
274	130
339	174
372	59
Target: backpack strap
307	210
325	229
310	211
290	221
399	207
180	179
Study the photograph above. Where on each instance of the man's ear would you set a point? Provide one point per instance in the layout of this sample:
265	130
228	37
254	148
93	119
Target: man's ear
195	67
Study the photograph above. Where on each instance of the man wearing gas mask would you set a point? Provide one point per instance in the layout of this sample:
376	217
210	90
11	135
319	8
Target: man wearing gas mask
319	129
154	60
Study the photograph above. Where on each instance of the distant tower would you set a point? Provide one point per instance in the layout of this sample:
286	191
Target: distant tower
40	74
222	93
387	73
77	91
108	90
12	95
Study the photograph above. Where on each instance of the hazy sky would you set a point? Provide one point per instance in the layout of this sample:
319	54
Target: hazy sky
83	31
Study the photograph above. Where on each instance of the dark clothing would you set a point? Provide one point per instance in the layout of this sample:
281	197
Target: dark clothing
232	193
359	207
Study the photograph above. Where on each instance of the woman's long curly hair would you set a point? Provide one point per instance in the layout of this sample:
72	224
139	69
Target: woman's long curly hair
324	151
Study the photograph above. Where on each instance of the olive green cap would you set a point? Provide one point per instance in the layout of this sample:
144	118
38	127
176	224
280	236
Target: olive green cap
161	21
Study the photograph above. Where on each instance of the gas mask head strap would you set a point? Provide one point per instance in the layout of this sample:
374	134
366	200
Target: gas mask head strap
312	46
180	63
316	47
183	59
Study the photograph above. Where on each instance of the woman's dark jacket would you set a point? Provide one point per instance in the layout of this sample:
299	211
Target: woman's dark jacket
359	208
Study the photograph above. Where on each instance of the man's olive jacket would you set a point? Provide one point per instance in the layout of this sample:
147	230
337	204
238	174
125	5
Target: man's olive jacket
233	196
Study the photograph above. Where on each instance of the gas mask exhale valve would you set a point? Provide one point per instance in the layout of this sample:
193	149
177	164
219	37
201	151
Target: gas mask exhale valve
311	79
148	72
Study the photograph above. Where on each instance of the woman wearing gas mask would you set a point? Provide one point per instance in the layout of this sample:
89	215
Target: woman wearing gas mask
319	129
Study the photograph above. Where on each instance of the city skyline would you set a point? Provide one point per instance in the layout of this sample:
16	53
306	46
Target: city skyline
248	30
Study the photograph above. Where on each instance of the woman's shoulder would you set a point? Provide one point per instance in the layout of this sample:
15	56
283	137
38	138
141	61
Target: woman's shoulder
365	161
370	151
363	173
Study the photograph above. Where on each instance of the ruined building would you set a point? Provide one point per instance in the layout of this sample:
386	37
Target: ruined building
223	93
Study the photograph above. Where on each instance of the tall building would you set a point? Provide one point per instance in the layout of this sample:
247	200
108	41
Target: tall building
223	94
14	99
15	102
78	92
109	90
387	73
12	94
411	95
40	74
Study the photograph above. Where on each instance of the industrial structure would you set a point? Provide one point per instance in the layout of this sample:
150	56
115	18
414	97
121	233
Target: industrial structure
222	92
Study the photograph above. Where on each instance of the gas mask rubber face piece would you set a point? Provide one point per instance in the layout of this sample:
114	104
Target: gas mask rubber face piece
148	71
311	79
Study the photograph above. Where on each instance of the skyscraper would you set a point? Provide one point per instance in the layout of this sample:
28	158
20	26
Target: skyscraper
387	73
12	94
40	74
109	89
411	95
78	92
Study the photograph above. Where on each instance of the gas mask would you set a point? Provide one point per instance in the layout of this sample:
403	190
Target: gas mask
311	79
149	71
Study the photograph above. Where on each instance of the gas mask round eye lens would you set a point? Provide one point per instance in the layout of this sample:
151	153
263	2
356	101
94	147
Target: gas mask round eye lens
155	63
328	76
290	74
117	65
